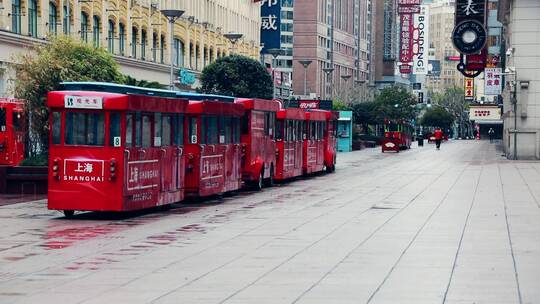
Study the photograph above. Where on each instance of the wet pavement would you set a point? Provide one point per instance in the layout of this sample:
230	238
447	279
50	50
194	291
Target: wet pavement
460	225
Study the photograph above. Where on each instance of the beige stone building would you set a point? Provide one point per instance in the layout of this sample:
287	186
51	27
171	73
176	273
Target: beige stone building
134	31
440	32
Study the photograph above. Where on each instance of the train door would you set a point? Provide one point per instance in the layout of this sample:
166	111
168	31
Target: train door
177	123
212	177
166	152
4	137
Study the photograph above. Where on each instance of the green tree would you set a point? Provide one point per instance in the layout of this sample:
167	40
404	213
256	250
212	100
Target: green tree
62	59
237	76
395	102
128	80
340	106
437	117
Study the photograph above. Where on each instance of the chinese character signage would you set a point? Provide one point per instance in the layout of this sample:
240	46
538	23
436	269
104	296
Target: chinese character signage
405	50
420	41
484	113
409	2
492	84
469	88
83	102
470	10
270	24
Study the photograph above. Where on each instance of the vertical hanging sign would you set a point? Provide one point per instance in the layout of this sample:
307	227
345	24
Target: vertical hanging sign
270	24
421	41
469	88
405	50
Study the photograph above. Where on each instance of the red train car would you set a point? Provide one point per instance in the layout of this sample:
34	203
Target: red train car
114	152
290	125
12	131
397	135
314	145
213	148
330	141
258	127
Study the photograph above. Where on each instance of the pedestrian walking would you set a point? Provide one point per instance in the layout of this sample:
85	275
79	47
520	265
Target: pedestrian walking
491	133
438	137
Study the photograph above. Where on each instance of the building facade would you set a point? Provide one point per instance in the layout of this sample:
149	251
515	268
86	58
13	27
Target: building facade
134	31
442	14
324	34
521	109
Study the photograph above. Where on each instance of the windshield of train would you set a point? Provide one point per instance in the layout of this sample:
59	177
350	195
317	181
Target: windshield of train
2	120
85	129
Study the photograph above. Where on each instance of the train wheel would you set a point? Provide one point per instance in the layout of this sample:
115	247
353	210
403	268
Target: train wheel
270	180
69	213
260	182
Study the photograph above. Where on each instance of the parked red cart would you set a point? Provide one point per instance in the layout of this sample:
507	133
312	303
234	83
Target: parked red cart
290	125
330	141
397	135
114	152
214	152
258	128
12	131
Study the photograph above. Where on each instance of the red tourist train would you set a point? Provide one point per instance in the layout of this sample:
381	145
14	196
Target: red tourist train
397	135
121	148
12	131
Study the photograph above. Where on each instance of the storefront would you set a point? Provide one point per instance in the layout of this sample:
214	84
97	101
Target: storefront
344	131
484	118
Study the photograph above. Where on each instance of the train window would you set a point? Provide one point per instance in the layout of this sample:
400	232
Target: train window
193	130
290	130
129	130
322	129
138	131
178	129
212	132
166	130
146	131
115	139
221	130
157	130
294	130
227	129
236	130
17	121
56	127
312	130
2	120
245	123
279	130
204	129
300	130
85	129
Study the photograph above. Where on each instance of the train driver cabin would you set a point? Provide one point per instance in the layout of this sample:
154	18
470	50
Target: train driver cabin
258	131
290	125
213	147
330	140
12	131
114	152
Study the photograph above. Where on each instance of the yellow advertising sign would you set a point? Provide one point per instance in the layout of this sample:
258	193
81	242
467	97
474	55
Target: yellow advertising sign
469	88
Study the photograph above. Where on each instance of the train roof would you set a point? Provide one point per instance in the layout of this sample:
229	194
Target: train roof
259	104
127	89
13	103
317	114
215	108
93	100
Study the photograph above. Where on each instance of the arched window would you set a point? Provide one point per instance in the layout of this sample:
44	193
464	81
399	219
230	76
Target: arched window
16	16
178	52
84	27
162	49
53	18
65	23
154	46
32	18
96	26
143	44
134	32
110	37
122	38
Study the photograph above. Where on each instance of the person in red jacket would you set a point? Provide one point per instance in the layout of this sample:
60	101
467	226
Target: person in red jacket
438	137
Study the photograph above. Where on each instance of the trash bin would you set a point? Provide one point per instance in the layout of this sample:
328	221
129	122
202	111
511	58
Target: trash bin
420	141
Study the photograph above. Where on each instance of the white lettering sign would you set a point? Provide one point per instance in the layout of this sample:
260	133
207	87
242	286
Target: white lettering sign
83	102
269	23
492	81
270	3
420	41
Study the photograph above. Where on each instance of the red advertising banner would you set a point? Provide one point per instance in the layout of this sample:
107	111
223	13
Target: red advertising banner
405	50
413	9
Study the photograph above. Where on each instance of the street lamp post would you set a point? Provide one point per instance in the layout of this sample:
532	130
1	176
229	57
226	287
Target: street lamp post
172	15
233	38
275	53
346	89
305	63
328	71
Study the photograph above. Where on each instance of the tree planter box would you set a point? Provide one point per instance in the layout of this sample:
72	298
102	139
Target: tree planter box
23	180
